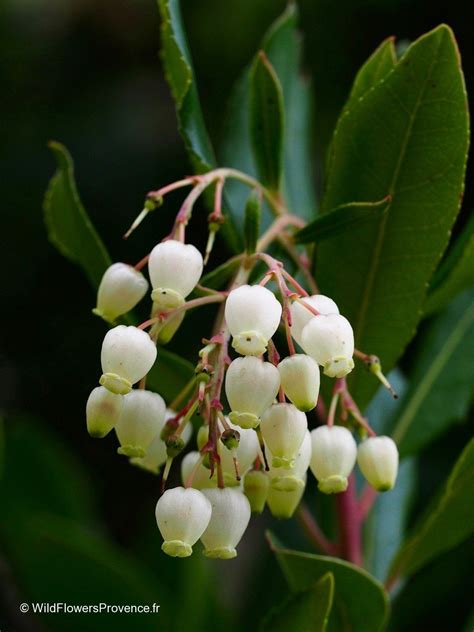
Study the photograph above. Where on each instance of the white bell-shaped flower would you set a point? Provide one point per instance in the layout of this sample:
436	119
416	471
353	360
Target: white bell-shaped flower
330	341
256	486
229	520
300	316
300	379
251	386
175	269
283	503
289	479
141	419
128	353
182	516
283	428
202	475
333	456
121	288
102	411
252	314
378	460
156	453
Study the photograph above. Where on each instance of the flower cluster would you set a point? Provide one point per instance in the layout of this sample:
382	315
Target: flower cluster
259	453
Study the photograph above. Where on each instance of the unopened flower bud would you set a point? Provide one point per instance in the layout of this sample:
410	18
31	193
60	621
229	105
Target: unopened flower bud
283	428
289	480
182	516
299	375
102	411
330	341
333	456
251	386
128	353
378	460
231	439
283	504
252	314
256	486
300	316
174	446
202	476
175	269
141	419
156	453
121	288
229	520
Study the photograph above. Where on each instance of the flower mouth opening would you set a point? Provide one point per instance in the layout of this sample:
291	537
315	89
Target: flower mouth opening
165	298
338	366
115	383
250	343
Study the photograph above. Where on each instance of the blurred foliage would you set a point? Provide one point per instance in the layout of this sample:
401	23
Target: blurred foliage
77	522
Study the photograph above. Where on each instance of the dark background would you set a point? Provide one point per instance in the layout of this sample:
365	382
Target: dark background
87	73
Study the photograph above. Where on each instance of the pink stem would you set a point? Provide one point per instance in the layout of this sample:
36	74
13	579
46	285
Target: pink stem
314	532
366	502
349	524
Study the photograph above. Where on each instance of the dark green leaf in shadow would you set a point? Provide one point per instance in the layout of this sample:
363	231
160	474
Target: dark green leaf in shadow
455	273
305	611
69	227
253	213
56	560
266	121
342	221
441	380
360	602
39	472
406	138
448	521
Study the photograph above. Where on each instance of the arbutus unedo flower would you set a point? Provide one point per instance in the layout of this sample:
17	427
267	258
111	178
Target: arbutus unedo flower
254	448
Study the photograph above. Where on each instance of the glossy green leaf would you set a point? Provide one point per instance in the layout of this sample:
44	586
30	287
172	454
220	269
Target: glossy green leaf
266	121
442	378
386	524
180	76
55	559
253	213
377	67
407	138
169	375
360	602
455	273
305	611
282	45
69	227
447	522
342	220
220	276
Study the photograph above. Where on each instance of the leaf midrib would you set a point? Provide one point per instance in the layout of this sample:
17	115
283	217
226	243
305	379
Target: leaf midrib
363	310
431	375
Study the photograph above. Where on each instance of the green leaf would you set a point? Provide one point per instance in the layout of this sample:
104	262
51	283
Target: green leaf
266	121
305	611
376	68
169	375
441	380
69	227
360	602
386	524
253	212
282	45
448	522
180	76
217	278
342	220
56	560
455	273
406	138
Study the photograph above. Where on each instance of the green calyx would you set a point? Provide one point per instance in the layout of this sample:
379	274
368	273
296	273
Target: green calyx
222	553
115	383
333	484
177	548
244	420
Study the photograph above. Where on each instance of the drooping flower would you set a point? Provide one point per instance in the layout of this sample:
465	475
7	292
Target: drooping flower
300	379
300	316
121	288
330	341
283	428
333	455
102	411
229	520
378	460
141	419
